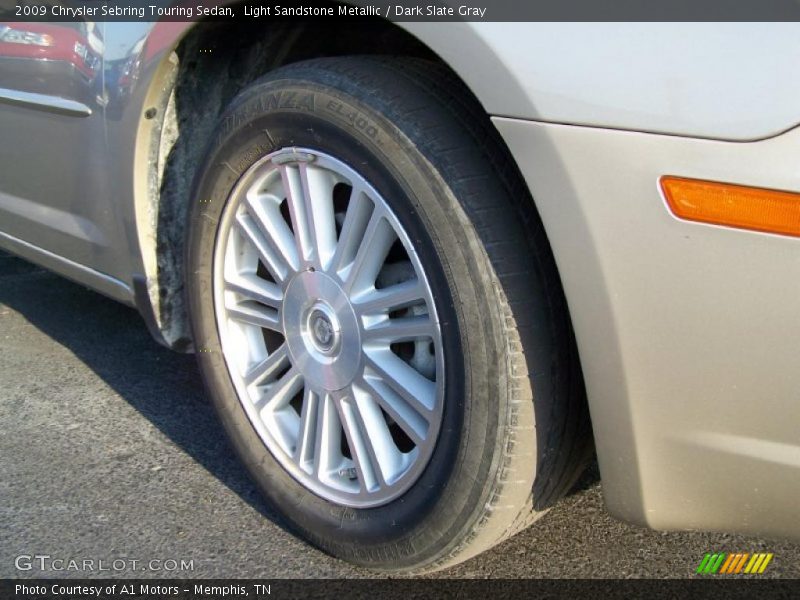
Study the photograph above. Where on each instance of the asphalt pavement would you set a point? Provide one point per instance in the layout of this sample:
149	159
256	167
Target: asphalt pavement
111	453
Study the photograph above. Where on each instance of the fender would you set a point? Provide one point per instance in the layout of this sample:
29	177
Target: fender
727	81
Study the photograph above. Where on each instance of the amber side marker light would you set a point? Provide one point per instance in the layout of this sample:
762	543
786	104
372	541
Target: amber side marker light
731	205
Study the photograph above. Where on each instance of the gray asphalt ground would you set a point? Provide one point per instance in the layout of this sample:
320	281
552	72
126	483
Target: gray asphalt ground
109	450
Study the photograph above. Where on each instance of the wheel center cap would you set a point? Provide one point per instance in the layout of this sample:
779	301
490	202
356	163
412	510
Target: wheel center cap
324	329
321	330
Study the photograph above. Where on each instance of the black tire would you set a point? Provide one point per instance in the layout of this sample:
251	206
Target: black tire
515	435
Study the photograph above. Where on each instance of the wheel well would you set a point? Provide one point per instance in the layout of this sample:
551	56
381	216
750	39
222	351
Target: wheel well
215	61
211	65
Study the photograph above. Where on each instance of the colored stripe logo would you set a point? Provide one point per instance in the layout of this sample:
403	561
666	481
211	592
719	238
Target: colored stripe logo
734	563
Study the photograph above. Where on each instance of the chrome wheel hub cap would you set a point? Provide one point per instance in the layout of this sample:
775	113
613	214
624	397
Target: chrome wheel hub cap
321	329
325	333
328	328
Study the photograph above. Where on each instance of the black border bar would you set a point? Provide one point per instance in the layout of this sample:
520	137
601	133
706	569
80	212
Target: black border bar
405	589
404	10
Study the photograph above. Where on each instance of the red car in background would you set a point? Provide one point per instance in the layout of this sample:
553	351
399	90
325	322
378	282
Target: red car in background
66	55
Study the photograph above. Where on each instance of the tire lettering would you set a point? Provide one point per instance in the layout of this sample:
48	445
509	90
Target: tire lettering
356	119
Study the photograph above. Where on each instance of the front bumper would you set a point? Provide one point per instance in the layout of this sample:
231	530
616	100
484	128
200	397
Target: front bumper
688	333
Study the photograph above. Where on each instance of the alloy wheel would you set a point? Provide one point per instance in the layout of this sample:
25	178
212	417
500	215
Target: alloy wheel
328	328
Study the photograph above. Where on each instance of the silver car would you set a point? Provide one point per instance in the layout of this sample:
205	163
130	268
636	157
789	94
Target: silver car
427	267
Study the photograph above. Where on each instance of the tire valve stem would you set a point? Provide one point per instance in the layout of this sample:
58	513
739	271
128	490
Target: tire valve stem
350	473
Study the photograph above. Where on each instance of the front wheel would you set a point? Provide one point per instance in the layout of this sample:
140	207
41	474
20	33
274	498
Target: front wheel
384	340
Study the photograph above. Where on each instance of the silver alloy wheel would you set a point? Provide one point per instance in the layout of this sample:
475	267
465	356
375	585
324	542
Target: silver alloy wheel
328	328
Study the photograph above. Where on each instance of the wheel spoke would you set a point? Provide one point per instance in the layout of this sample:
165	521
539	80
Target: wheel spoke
378	239
307	432
278	394
272	259
318	187
400	330
360	443
252	313
400	295
299	209
327	436
255	288
264	209
278	359
359	211
415	389
410	420
383	450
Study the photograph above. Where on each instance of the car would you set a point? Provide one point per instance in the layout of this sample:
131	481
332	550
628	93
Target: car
65	57
428	269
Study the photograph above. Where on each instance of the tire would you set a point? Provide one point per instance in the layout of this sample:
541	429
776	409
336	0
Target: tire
511	430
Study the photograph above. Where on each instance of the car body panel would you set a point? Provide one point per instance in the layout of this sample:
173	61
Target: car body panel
685	331
55	192
735	81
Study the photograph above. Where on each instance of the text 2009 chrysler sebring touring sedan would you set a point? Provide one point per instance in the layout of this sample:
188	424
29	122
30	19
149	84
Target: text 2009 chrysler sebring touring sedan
426	266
